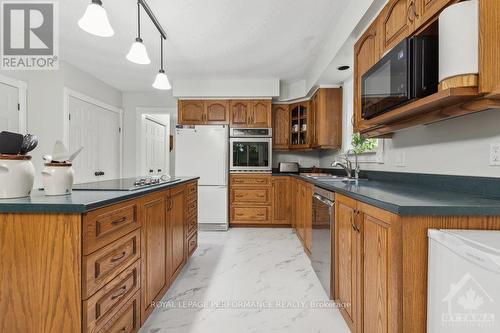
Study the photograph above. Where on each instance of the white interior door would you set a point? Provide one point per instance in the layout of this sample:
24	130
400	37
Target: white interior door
109	143
155	137
98	131
9	113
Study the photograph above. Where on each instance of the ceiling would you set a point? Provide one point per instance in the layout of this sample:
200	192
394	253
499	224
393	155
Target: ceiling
206	39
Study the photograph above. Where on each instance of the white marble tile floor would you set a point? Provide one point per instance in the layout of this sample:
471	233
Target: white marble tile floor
247	281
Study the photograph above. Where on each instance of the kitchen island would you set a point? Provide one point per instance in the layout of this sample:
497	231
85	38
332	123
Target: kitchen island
93	261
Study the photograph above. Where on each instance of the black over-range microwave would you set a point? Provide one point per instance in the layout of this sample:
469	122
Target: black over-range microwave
407	72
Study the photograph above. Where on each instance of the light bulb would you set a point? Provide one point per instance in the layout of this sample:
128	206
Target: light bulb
161	81
138	53
95	21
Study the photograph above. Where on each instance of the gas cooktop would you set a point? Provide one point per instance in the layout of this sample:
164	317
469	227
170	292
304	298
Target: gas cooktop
124	184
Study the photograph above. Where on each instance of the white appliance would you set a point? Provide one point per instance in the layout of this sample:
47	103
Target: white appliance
463	281
203	151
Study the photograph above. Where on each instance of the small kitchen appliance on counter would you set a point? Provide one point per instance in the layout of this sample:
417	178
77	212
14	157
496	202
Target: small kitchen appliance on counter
288	167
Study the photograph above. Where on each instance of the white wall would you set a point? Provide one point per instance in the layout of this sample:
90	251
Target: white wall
457	147
131	102
45	103
306	159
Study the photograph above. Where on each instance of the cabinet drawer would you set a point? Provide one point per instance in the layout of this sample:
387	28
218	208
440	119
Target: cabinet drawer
104	265
192	243
103	226
192	208
250	215
111	297
192	224
126	320
251	195
192	189
250	180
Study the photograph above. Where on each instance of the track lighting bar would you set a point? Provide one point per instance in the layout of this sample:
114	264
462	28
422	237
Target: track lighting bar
153	18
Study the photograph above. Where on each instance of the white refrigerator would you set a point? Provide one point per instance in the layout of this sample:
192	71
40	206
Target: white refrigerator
203	151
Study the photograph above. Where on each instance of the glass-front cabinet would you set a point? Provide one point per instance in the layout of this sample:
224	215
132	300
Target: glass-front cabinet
300	125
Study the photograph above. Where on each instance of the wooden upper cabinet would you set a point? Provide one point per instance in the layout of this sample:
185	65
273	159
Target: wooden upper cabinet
251	113
203	112
427	9
326	119
191	112
261	115
366	54
217	112
397	21
239	112
281	127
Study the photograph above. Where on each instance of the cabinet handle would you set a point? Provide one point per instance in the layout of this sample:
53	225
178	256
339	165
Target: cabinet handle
120	257
119	221
122	292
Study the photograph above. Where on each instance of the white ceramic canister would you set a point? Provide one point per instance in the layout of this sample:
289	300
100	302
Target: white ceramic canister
58	178
17	176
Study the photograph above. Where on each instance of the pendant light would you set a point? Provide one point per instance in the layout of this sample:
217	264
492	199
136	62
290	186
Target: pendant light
161	81
95	20
138	53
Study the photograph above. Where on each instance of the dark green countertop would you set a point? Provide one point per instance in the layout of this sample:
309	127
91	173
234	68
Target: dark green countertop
78	201
408	199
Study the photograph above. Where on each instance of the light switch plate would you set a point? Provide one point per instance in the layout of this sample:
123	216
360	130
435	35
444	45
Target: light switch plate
495	154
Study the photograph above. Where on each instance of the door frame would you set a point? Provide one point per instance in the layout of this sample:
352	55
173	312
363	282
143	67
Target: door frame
140	111
143	141
22	88
75	94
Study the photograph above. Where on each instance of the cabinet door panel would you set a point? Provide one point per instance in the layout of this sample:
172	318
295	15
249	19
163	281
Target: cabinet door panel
217	112
260	116
191	112
375	278
396	23
281	127
346	259
281	200
239	112
177	213
427	9
366	54
379	270
154	212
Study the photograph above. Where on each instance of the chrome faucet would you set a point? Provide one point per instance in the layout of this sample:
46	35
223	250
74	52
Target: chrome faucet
348	164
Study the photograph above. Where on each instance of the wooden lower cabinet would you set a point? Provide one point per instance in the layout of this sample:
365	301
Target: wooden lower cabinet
281	200
177	239
250	199
157	255
346	245
107	266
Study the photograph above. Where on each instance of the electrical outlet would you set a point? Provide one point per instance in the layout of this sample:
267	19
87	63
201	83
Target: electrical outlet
401	159
495	154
